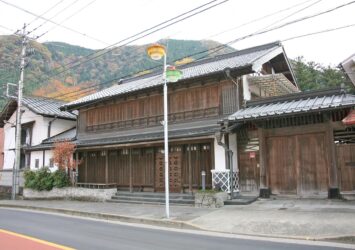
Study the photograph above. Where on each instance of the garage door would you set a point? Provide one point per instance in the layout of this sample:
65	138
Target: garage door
297	164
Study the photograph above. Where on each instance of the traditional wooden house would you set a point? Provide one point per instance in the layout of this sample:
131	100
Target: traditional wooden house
41	119
299	144
119	131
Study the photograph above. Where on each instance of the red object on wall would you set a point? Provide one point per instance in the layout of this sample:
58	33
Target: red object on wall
350	118
252	155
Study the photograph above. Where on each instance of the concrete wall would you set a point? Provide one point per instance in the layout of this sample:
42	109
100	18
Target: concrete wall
71	193
39	133
1	148
219	156
6	178
48	155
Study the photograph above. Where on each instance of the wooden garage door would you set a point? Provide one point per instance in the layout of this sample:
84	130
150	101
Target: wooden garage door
281	162
346	166
298	164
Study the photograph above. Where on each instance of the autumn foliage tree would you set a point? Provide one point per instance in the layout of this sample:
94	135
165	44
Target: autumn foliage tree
63	157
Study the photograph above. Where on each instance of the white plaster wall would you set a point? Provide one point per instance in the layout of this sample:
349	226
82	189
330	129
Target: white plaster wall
58	125
233	146
9	133
219	156
39	155
39	133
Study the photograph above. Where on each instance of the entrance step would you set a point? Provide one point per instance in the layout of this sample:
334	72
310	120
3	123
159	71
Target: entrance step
241	200
350	196
152	198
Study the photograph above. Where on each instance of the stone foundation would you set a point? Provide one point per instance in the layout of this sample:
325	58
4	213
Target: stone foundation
210	199
70	193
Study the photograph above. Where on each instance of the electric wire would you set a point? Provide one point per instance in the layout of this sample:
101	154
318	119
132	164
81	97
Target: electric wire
67	18
52	17
318	32
48	10
140	35
218	48
258	19
51	21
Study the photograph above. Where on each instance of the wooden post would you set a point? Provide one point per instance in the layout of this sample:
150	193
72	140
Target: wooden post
106	166
76	167
130	171
333	159
190	168
86	166
262	148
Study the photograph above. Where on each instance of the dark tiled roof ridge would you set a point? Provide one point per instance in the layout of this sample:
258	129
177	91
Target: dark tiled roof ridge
47	140
207	60
296	96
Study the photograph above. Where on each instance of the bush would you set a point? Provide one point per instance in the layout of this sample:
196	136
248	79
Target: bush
30	179
60	179
43	179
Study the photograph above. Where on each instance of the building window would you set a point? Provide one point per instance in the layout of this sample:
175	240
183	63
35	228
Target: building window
51	162
37	163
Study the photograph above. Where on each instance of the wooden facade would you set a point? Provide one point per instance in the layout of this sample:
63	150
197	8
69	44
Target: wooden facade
140	166
142	169
302	155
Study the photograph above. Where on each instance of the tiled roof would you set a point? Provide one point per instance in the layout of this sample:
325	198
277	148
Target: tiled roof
235	60
47	107
180	130
294	104
68	135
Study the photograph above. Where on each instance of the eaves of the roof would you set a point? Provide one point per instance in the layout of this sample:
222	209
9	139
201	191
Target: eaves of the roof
238	60
294	104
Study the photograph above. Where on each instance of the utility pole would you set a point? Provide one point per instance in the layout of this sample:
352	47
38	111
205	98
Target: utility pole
15	177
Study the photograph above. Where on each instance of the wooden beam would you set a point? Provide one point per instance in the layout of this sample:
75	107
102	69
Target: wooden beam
190	168
86	166
130	171
262	157
333	171
106	166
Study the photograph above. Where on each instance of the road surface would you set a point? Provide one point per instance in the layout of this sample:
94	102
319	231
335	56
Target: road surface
81	233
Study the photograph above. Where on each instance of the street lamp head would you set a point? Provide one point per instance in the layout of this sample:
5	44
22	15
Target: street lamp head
156	51
173	74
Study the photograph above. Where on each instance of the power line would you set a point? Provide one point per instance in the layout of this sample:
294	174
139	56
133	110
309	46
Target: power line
319	32
140	36
290	22
54	16
292	14
48	10
258	19
217	48
66	19
6	28
51	21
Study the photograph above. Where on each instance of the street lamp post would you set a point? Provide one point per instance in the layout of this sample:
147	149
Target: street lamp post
156	52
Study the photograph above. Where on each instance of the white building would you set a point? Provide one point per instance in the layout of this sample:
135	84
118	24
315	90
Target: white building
41	119
348	66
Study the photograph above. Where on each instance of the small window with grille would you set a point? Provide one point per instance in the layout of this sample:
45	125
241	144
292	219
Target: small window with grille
37	163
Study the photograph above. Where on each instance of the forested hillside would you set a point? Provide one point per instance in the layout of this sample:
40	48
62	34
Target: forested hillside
44	71
55	68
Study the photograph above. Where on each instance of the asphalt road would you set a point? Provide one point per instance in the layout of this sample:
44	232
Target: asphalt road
92	234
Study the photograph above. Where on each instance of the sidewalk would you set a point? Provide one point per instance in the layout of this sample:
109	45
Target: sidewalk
303	219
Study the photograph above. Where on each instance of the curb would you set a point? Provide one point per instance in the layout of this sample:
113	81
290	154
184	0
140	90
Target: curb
155	222
167	223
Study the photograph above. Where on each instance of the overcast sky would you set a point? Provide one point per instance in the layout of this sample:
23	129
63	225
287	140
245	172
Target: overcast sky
111	21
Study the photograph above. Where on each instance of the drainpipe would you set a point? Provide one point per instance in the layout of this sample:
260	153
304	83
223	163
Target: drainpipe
229	158
50	126
227	72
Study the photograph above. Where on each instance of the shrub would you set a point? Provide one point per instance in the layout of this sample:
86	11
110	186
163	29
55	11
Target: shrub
43	179
30	179
60	179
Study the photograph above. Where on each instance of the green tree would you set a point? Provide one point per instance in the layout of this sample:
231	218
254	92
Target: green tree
311	75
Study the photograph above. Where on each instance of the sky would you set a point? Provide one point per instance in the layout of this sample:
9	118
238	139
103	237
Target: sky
105	22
